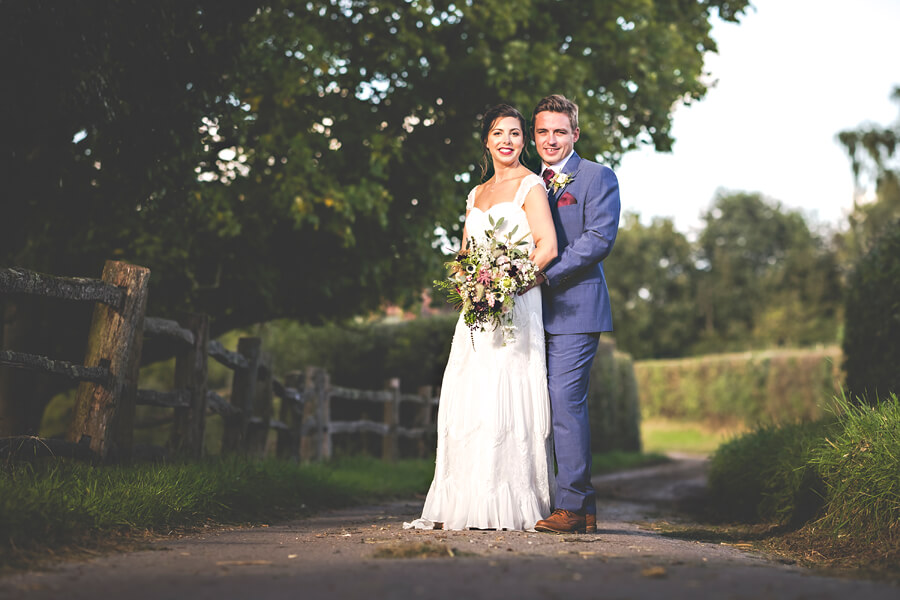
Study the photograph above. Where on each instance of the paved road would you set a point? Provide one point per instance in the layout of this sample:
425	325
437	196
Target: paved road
352	553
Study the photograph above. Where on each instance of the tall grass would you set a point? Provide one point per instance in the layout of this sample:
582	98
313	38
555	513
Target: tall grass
860	466
766	475
60	502
841	472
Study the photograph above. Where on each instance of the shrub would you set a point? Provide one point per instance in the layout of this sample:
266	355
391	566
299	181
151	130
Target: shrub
841	470
748	388
365	355
872	320
416	351
613	406
765	475
859	464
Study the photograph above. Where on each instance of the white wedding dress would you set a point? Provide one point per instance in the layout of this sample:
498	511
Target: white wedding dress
494	467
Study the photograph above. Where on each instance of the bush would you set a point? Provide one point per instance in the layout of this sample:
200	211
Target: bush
365	355
765	475
416	351
841	470
872	320
613	402
748	388
859	465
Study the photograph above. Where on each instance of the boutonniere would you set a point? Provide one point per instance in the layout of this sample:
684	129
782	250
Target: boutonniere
561	180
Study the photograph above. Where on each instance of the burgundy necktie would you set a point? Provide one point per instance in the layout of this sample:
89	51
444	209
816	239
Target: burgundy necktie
547	175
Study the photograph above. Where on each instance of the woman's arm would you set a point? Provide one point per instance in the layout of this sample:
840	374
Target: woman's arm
465	235
537	210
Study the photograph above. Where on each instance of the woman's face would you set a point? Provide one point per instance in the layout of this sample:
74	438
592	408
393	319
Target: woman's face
505	141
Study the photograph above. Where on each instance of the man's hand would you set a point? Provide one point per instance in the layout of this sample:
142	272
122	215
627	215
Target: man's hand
540	279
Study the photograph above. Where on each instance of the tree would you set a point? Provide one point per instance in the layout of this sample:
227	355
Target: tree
651	277
294	159
99	118
766	278
872	150
360	118
872	324
871	247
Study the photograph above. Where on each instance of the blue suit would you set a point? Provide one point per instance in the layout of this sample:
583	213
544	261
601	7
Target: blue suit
576	309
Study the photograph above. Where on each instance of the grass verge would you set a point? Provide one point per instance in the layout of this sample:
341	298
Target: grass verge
51	505
57	506
620	460
688	437
828	490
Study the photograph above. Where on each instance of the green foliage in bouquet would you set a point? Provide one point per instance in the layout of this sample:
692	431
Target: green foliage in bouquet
483	279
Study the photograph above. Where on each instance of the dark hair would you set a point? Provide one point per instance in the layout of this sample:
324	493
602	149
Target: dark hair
487	123
560	104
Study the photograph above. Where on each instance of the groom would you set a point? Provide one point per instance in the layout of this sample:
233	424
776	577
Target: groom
584	202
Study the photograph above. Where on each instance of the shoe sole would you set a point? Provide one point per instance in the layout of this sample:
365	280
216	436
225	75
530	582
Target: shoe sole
549	530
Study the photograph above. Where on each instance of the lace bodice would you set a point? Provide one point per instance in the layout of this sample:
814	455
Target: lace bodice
512	212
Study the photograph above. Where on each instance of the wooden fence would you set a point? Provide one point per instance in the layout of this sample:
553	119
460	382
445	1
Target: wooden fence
103	423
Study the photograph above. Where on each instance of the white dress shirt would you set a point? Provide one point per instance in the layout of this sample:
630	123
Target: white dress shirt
558	167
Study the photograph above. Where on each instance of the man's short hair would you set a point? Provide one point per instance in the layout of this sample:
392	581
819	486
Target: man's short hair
557	103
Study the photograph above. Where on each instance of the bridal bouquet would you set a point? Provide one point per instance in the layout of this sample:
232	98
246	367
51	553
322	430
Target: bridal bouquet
483	279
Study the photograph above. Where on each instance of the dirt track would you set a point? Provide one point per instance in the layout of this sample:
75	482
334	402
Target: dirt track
352	553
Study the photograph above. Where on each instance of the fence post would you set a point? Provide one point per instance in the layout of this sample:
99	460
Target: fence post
243	393
317	391
190	374
291	414
423	420
104	413
258	433
390	448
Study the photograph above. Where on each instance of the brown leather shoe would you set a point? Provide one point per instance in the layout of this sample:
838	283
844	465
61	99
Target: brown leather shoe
590	523
562	521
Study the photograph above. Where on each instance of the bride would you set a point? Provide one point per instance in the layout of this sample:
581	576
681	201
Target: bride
494	467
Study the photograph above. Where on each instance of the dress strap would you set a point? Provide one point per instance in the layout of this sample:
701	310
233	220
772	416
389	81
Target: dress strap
470	199
528	182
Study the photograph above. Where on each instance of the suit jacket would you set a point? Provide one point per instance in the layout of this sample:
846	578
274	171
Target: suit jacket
586	216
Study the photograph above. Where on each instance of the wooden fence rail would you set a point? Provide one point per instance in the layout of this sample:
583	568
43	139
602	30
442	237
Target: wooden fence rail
107	394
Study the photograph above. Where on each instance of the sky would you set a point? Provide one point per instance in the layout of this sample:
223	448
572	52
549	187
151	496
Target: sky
790	76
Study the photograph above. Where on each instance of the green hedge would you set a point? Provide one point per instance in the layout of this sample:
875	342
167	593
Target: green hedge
746	388
840	471
766	475
613	401
416	351
364	355
872	320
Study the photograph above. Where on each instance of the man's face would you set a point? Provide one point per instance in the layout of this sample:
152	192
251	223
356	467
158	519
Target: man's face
554	136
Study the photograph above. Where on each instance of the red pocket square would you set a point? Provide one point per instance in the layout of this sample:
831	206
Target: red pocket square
566	199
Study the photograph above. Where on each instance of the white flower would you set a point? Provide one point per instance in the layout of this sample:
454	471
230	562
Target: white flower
561	180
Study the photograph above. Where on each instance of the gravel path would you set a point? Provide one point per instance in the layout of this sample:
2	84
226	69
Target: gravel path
357	553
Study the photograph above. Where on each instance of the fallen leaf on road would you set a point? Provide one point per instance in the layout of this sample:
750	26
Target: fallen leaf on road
654	572
415	550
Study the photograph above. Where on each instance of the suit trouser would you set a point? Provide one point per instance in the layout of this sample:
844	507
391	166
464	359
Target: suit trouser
569	359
